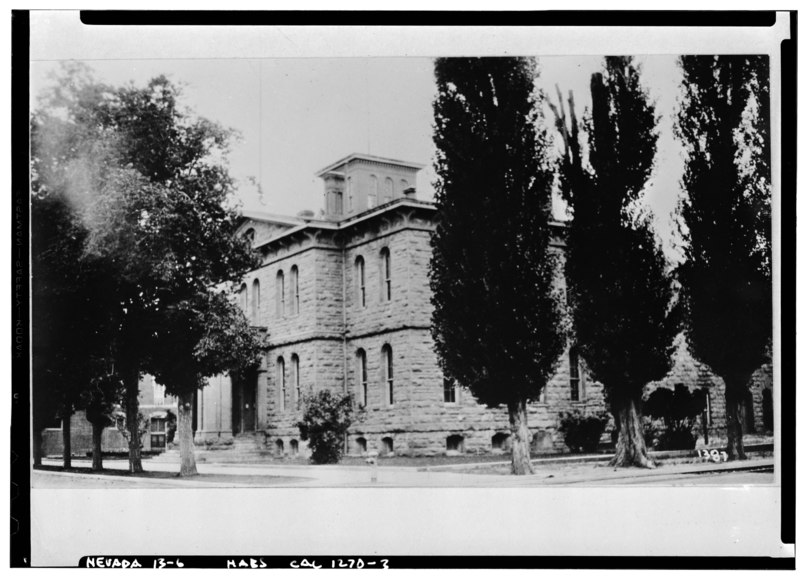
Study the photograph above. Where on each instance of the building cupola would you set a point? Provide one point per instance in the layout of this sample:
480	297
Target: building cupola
358	183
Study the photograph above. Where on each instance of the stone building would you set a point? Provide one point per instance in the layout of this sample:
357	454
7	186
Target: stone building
345	300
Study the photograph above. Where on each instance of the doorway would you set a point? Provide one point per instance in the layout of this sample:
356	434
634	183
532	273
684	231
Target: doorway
244	402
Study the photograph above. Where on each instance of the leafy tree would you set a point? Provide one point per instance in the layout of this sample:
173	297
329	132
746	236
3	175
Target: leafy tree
726	280
617	282
98	400
147	181
496	320
199	337
326	417
71	332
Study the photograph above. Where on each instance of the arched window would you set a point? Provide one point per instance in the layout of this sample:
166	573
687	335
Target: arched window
455	443
372	195
361	445
250	235
296	378
294	288
281	384
386	274
243	298
361	282
574	375
388	373
256	303
361	368
280	294
387	445
279	447
388	190
449	390
294	448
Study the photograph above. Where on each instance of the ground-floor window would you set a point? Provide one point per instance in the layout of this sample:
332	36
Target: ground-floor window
279	447
500	441
361	444
294	448
387	445
455	442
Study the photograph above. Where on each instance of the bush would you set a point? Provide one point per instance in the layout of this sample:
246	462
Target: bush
326	418
677	410
582	432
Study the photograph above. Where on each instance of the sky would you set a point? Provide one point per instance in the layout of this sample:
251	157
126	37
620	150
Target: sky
296	114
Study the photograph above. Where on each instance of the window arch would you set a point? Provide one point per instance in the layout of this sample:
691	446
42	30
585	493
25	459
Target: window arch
280	294
243	298
256	303
372	195
574	375
388	190
361	282
361	368
386	274
296	378
294	289
281	384
387	364
250	235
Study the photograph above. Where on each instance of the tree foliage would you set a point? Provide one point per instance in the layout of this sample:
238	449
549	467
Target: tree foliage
147	180
326	417
618	287
726	280
496	321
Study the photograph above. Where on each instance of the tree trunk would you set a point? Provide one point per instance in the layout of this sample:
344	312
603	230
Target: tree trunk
734	409
520	438
185	434
66	438
631	446
38	442
97	445
131	381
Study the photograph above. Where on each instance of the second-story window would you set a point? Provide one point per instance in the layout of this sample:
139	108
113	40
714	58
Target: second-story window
294	288
349	188
386	274
361	282
280	294
256	303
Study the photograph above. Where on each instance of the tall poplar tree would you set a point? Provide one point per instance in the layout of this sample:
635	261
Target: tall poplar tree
496	322
618	287
726	280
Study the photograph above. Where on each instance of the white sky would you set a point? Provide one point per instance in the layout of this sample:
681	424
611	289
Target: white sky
296	114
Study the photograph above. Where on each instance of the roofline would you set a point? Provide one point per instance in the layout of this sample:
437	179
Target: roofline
353	156
345	223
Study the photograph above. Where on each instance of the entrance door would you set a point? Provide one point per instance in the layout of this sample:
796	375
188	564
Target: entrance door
244	403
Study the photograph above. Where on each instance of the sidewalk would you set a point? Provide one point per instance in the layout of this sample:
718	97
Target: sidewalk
546	473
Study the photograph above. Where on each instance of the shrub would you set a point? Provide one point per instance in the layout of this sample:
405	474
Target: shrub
326	418
677	410
582	432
